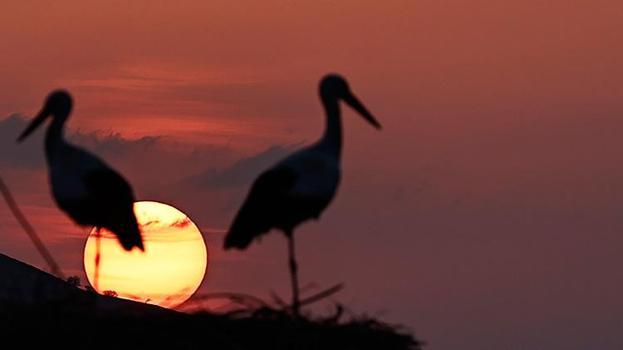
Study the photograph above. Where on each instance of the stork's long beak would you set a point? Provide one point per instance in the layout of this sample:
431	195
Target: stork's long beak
361	109
39	119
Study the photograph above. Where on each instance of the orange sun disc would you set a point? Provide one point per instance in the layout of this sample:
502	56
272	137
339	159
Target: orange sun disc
166	274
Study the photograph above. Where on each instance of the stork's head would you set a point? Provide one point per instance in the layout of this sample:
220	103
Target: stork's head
58	105
334	86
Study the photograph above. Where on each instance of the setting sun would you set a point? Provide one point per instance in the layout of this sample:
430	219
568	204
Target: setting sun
166	274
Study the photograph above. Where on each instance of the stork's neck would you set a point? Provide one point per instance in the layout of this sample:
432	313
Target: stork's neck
332	137
54	138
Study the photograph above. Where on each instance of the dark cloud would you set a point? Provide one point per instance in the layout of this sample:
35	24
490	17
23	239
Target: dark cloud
150	159
151	222
181	223
29	153
113	144
244	170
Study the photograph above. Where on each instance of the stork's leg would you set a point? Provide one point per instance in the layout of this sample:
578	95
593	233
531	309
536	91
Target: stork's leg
293	274
97	258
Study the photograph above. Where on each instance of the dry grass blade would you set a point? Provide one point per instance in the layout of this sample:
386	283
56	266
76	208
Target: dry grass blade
322	295
30	231
278	300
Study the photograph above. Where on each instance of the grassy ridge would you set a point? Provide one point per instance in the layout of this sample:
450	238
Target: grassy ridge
55	326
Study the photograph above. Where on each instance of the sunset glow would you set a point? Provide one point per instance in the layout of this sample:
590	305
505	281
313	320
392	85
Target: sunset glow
486	214
167	273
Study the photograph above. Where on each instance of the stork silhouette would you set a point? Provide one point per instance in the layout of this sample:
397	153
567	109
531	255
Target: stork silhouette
301	186
90	192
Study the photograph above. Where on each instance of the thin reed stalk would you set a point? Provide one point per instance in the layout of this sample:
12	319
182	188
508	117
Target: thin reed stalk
30	231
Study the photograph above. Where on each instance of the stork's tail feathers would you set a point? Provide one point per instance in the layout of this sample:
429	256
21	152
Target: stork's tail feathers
241	234
129	233
247	226
129	240
238	240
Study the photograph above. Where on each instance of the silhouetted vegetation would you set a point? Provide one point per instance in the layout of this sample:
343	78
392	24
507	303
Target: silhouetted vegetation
73	281
68	327
110	293
37	308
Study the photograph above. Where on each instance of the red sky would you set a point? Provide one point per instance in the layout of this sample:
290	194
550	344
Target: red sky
486	214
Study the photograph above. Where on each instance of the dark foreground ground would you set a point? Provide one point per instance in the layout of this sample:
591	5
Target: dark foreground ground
40	311
51	327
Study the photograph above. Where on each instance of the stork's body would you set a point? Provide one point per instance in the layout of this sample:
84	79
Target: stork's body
296	189
301	186
83	186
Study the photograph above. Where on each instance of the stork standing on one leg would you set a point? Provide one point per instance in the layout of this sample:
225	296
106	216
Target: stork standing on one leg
83	186
299	187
